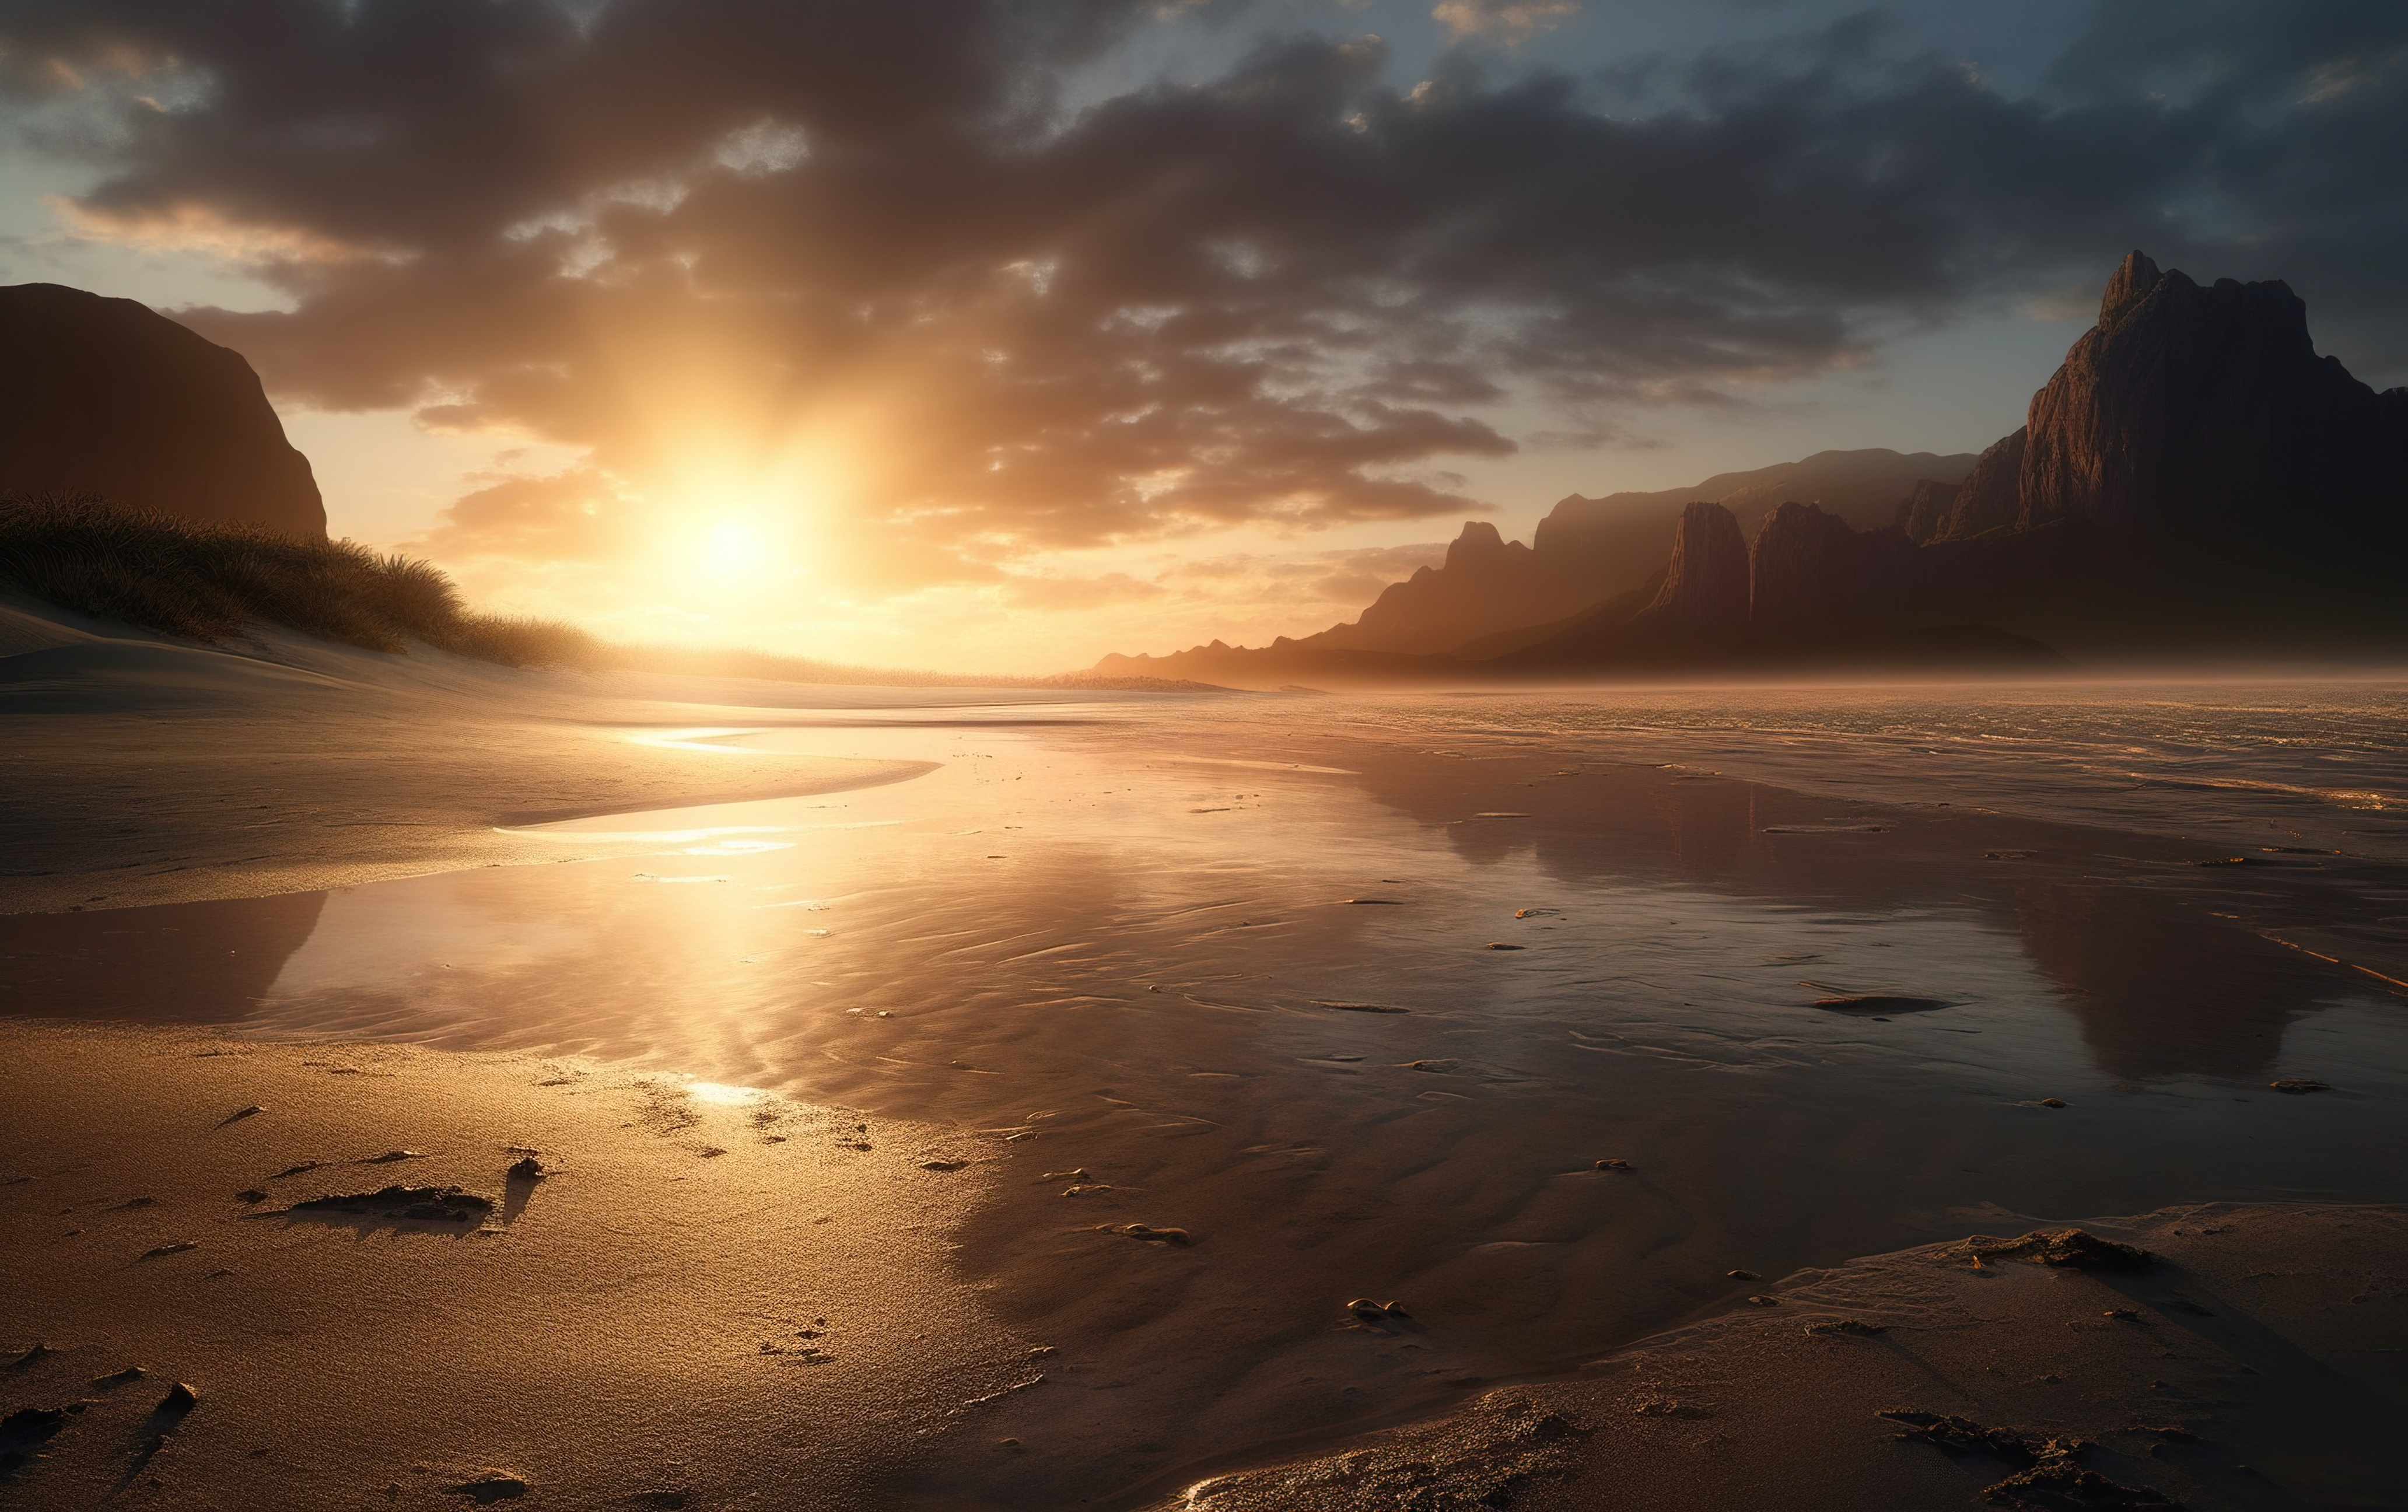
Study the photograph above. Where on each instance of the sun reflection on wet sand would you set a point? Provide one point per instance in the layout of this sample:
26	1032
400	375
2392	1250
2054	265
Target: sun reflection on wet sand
1141	950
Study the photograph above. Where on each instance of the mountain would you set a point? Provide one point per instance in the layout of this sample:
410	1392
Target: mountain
2190	409
2193	481
1487	583
108	396
1628	535
1588	550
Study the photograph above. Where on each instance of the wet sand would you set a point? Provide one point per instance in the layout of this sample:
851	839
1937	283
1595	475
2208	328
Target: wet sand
1126	969
2257	1362
702	1301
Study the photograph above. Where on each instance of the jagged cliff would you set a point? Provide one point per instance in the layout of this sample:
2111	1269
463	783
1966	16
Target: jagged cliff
2190	409
1705	592
2187	406
1590	550
107	397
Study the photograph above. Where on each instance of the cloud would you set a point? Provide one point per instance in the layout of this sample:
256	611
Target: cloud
1050	593
1511	23
580	514
858	266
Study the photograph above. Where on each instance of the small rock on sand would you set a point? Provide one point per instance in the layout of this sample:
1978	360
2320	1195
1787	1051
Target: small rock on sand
1611	1165
417	1204
1154	1235
2070	1248
944	1165
25	1428
2055	1102
176	1248
1865	1004
179	1400
390	1155
1498	944
1854	1326
493	1486
251	1194
2300	1084
1744	1275
525	1169
241	1113
124	1377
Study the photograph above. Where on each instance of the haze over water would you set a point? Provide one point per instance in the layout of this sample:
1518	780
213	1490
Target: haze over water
1142	941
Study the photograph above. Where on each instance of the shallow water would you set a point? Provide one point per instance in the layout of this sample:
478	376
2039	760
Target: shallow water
1118	944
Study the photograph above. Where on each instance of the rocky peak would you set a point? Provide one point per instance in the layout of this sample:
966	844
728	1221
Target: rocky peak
1478	542
2188	408
1706	586
2128	286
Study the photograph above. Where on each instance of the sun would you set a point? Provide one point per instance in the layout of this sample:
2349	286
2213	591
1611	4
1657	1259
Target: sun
733	555
731	549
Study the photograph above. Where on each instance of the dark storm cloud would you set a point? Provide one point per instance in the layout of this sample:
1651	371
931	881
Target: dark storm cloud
1268	297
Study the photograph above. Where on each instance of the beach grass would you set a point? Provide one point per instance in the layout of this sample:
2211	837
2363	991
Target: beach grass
208	580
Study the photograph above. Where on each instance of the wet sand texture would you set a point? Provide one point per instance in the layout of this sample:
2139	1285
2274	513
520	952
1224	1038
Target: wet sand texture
2258	1363
771	1328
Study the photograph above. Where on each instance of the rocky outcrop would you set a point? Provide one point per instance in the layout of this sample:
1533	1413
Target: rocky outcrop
1925	510
1705	591
1487	584
2189	407
107	397
1991	496
1589	550
1810	573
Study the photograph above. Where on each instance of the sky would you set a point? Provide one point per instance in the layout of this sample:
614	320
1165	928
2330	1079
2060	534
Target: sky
997	335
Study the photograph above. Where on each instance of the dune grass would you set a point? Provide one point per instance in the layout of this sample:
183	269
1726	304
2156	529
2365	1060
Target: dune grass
208	582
